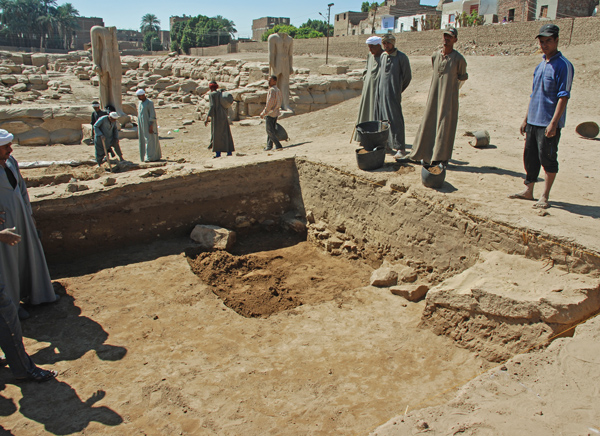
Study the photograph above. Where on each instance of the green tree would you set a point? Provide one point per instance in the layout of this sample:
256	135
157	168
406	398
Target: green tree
319	26
67	23
284	28
150	23
152	42
47	21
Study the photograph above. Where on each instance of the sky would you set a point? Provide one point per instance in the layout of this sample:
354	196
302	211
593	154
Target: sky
127	14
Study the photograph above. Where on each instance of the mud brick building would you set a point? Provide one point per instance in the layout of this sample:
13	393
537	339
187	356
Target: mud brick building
261	25
530	10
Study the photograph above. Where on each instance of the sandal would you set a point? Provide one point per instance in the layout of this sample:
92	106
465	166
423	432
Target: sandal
39	375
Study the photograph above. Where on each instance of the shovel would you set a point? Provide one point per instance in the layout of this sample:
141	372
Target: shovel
107	156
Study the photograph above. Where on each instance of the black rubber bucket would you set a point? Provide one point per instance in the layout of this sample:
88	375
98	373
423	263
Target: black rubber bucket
372	134
369	160
433	176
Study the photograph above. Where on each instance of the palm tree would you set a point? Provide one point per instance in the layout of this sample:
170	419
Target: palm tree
47	20
67	22
226	25
150	23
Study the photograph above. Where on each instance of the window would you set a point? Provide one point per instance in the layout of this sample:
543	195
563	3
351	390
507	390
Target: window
474	8
511	15
451	18
544	11
337	18
344	16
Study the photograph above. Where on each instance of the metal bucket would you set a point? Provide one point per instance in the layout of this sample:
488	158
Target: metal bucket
372	134
433	176
369	160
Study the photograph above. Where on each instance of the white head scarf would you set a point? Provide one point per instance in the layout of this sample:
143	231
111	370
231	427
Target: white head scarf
5	137
114	115
140	92
374	40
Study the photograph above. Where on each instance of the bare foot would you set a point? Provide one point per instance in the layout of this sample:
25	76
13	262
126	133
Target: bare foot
525	195
542	203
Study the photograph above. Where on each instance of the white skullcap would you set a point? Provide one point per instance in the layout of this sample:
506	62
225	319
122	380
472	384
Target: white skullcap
374	40
95	104
140	92
5	137
113	115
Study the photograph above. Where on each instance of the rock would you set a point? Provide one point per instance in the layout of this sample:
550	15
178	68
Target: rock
19	87
246	123
39	59
213	237
310	217
333	243
188	122
188	86
410	292
109	181
66	136
76	187
15	127
157	172
8	79
385	276
128	133
292	221
332	69
37	136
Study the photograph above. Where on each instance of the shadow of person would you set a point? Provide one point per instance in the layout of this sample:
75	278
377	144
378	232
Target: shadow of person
57	406
7	405
579	209
69	334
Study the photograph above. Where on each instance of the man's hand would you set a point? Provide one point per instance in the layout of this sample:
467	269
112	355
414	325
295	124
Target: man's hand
523	127
550	130
151	129
206	123
2	220
262	116
8	236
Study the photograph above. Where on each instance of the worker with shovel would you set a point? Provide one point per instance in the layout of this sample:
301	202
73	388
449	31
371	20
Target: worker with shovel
107	137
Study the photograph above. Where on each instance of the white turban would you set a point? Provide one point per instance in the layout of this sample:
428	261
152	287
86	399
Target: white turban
114	115
374	40
5	137
95	104
140	92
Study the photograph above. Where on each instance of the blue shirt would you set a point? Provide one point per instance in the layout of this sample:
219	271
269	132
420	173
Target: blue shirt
552	79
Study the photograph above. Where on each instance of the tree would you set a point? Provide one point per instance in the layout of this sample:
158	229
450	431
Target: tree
284	28
152	42
150	23
367	7
47	21
67	23
319	26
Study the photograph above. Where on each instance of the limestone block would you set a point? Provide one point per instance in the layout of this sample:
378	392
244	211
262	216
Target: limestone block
52	124
128	133
5	70
188	86
213	237
130	108
72	113
410	292
338	83
385	276
8	79
355	83
15	127
164	72
300	109
95	81
350	93
302	98
186	99
317	84
332	69
250	97
36	79
319	97
17	58
16	69
39	59
20	113
37	136
66	136
38	87
334	96
153	78
19	87
254	109
201	90
83	76
173	88
86	131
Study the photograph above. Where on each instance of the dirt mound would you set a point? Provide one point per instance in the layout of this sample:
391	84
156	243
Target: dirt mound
261	284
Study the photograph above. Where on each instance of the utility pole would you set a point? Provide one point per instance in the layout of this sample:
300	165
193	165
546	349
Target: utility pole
328	16
374	15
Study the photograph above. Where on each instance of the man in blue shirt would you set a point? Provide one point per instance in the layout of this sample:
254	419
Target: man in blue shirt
552	80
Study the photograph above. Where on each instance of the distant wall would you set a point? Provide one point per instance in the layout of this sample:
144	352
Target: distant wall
489	39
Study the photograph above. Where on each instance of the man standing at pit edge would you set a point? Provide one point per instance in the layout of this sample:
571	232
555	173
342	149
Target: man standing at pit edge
552	80
147	129
271	112
394	77
366	110
434	142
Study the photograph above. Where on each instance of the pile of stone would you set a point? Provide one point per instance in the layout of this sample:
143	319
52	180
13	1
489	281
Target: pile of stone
184	79
24	75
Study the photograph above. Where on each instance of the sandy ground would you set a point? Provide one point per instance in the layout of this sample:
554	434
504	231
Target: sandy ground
143	346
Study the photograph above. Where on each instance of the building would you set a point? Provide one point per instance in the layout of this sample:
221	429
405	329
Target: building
175	19
347	23
130	39
394	16
165	39
81	36
261	25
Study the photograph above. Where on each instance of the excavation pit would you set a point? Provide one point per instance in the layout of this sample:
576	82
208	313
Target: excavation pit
347	358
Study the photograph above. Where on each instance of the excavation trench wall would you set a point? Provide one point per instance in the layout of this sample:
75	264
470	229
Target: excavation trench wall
101	221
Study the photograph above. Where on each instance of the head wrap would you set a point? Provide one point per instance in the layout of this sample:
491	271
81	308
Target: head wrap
388	37
213	86
114	115
5	137
374	40
140	92
95	104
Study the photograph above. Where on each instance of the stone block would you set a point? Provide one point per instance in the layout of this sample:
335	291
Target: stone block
66	136
332	69
15	127
188	86
37	136
39	59
385	276
164	72
350	93
130	108
254	109
128	133
334	96
355	83
410	292
302	98
338	83
213	237
300	109
319	97
19	87
8	79
5	70
36	79
317	84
